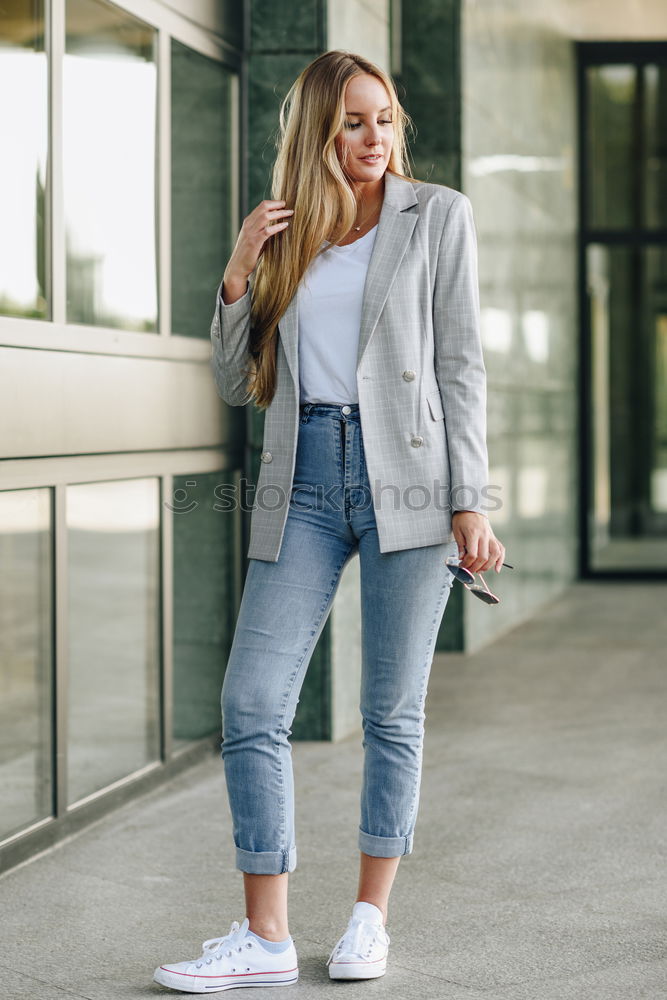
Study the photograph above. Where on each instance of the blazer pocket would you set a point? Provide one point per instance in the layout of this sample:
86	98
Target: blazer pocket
435	405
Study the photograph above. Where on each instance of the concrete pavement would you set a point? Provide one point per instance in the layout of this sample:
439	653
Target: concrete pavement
539	865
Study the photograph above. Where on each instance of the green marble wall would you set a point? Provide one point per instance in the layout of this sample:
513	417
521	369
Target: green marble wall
204	599
429	86
201	196
284	36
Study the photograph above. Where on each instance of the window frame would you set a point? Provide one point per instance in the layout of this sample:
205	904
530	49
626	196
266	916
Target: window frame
55	333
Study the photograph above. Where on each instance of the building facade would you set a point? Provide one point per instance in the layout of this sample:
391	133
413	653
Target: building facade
138	136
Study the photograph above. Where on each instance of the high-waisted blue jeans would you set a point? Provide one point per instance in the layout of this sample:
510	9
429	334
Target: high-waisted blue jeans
283	610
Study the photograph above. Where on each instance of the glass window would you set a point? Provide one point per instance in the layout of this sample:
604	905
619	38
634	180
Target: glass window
114	636
25	658
655	130
204	560
611	145
23	127
655	294
201	178
109	150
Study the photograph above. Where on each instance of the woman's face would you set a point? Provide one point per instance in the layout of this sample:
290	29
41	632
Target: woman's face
368	129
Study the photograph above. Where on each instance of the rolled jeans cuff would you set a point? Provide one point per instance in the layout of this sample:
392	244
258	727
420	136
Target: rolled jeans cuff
266	862
385	847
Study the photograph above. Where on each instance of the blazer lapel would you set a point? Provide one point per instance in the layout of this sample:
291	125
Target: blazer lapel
287	330
395	228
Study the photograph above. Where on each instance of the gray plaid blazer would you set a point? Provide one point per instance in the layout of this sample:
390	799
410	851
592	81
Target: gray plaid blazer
420	376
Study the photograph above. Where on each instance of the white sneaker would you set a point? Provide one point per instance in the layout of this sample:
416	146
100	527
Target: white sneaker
361	953
237	959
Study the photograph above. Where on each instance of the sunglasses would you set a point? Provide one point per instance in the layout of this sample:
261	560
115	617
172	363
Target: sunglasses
467	578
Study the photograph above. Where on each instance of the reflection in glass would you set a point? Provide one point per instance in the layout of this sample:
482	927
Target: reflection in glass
532	490
113	556
23	135
597	264
655	130
501	476
201	151
536	334
611	145
204	555
659	472
25	658
496	329
109	84
656	332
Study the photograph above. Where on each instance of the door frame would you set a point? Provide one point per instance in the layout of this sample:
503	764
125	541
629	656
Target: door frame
596	54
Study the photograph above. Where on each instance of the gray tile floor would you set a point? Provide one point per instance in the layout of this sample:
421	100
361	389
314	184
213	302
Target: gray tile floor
540	848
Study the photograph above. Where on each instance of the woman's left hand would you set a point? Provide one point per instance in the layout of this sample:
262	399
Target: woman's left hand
479	549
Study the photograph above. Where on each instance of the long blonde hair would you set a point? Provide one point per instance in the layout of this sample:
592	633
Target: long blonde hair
308	176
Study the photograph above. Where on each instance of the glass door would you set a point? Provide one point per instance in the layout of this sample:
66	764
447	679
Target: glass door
623	215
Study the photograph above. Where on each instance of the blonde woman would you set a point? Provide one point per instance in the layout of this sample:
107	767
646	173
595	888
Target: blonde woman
349	311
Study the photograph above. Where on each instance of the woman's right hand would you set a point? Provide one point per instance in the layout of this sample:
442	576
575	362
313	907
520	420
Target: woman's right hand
264	221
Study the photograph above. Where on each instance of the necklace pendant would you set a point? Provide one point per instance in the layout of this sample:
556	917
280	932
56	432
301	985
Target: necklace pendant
357	228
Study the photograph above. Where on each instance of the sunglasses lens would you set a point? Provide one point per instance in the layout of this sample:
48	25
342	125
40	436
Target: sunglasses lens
484	595
461	574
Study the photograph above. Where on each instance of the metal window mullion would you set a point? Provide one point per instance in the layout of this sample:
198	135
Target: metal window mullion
167	616
238	550
584	417
639	159
641	389
235	164
163	181
56	248
202	37
395	37
61	644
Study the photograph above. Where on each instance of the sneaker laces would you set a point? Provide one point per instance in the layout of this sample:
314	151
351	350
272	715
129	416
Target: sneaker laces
214	946
358	939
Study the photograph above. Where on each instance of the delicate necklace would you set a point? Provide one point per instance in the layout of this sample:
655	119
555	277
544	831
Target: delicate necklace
358	228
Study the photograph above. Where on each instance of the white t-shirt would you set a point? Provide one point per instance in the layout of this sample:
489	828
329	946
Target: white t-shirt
329	298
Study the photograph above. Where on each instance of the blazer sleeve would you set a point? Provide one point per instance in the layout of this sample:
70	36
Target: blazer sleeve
459	363
230	331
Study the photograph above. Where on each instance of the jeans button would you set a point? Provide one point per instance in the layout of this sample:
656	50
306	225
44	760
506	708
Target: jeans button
346	410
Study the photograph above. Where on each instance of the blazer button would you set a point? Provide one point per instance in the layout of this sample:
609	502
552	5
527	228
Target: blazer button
416	441
266	456
408	375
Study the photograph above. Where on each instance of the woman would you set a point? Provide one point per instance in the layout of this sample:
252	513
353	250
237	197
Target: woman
382	393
